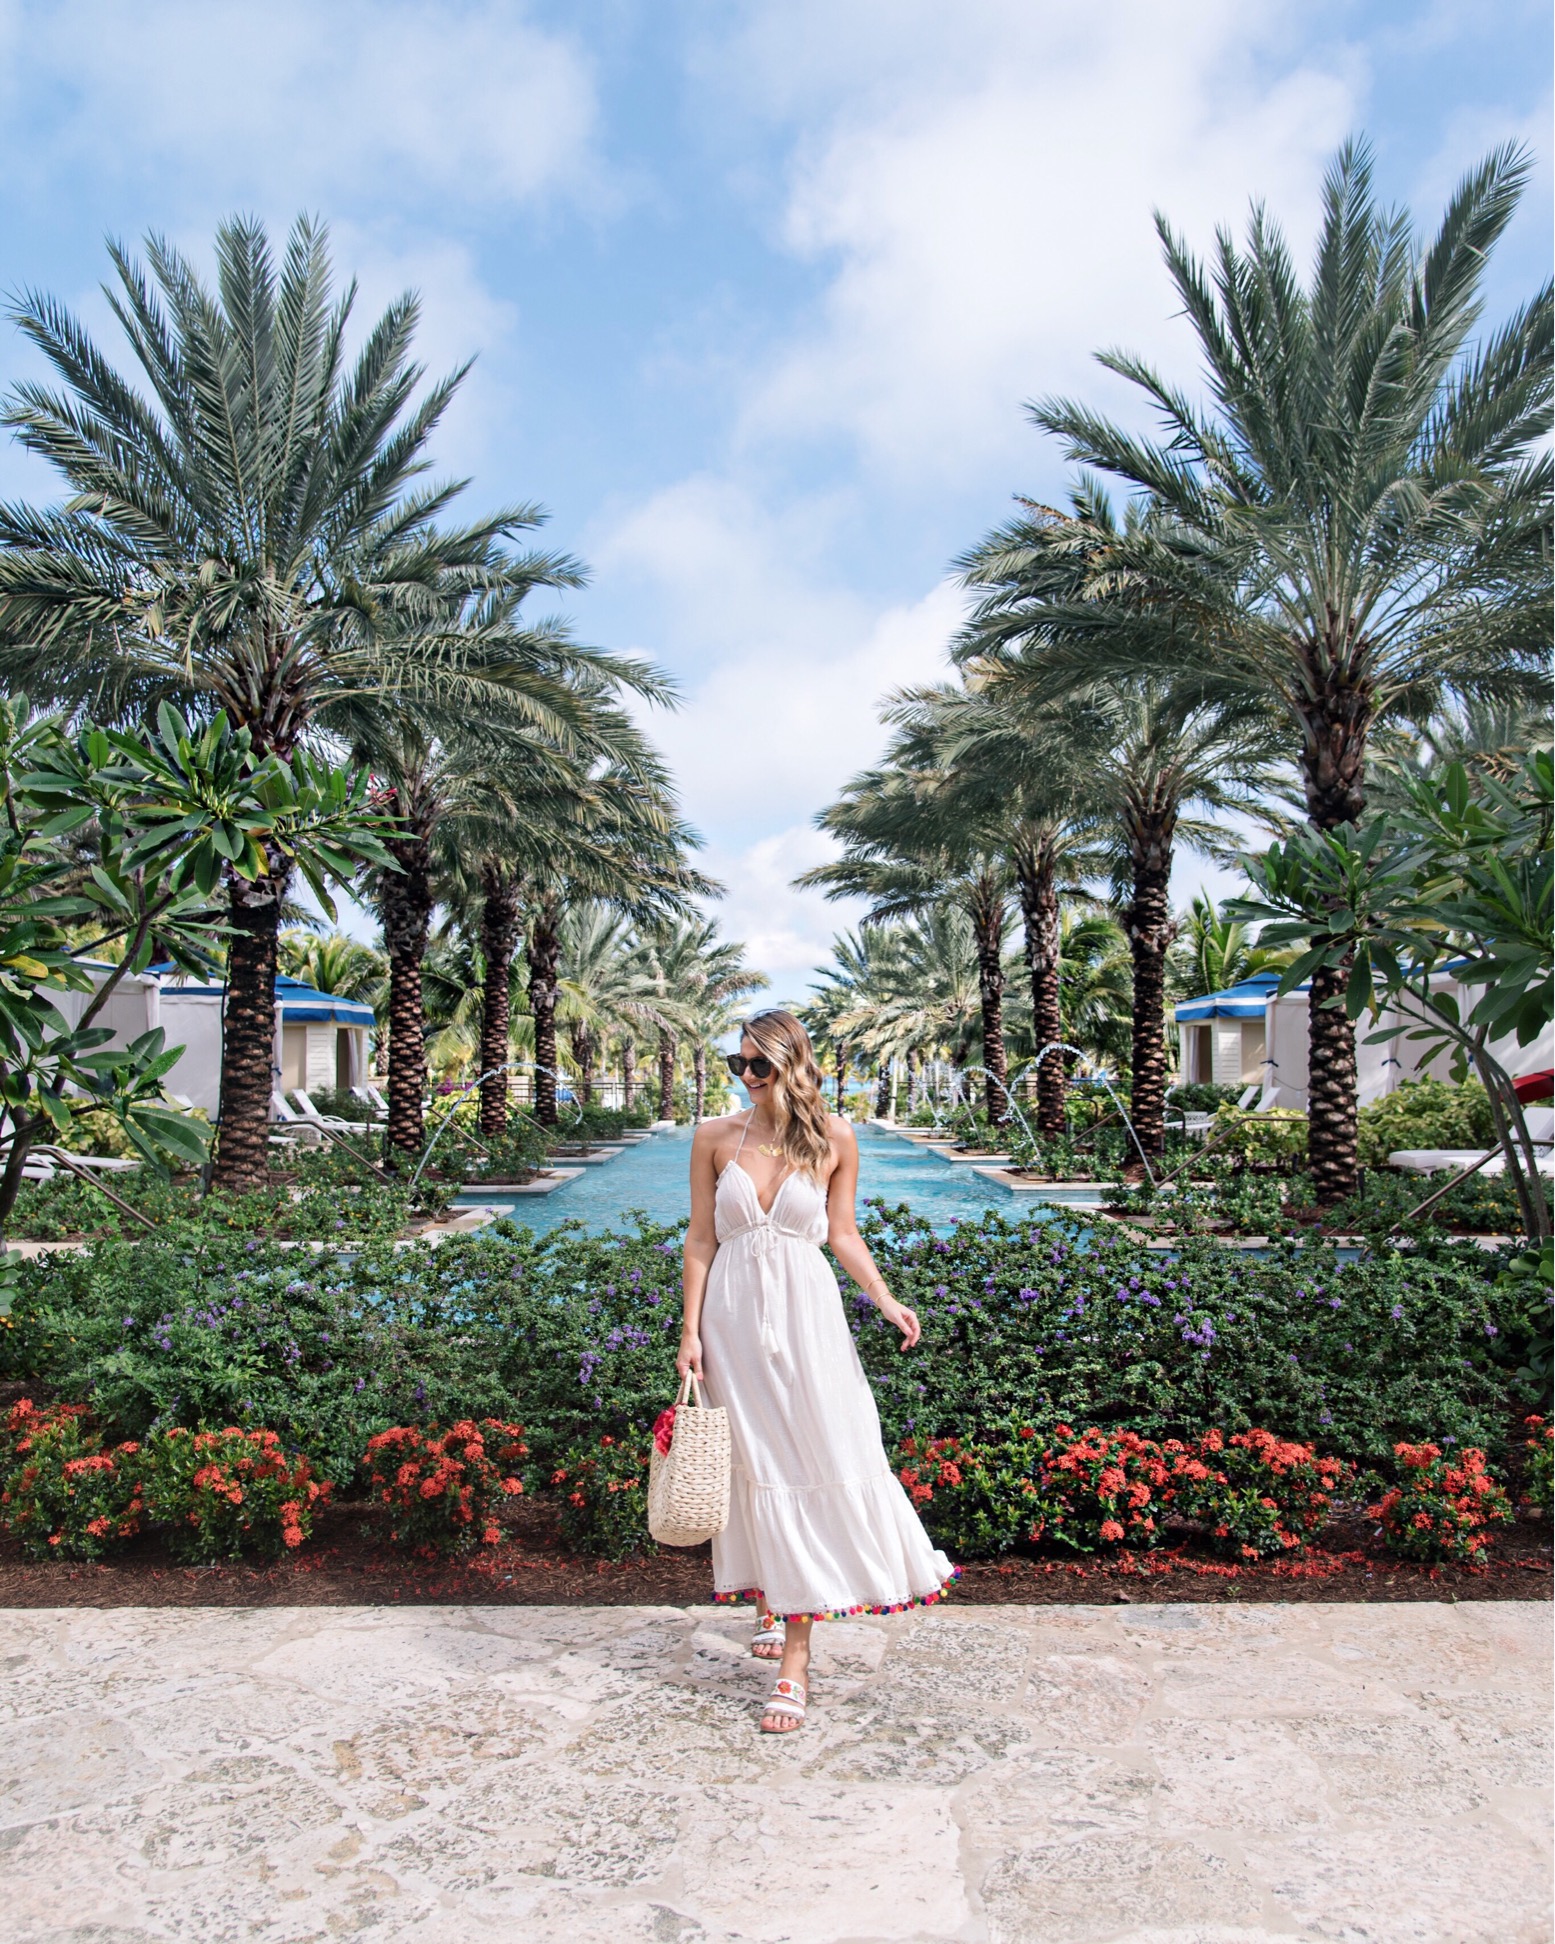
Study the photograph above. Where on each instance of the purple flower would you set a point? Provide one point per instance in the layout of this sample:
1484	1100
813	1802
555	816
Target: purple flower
1396	1312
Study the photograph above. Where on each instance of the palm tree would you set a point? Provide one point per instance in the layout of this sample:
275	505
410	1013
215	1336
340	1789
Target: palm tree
697	978
1358	520
1210	952
1098	987
591	817
1027	776
854	995
624	846
255	536
921	996
910	846
334	963
1151	749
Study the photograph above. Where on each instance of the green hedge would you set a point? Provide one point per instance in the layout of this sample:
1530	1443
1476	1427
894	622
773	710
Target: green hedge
574	1337
1424	1114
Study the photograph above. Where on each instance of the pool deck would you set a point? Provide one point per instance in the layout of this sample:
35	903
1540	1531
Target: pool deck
1009	1775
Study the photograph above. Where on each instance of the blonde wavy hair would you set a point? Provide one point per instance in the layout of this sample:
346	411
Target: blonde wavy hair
798	1108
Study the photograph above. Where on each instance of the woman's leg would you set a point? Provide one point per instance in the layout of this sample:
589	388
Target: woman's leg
796	1667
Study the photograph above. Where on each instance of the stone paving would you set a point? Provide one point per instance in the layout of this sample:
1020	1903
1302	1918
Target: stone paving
1015	1775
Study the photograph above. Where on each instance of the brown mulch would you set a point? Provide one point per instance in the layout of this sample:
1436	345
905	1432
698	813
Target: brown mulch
346	1565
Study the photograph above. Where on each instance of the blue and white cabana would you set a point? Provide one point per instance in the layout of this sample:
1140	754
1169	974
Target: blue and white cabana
1245	1034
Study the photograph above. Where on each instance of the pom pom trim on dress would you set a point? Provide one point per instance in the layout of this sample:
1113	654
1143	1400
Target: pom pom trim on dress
754	1594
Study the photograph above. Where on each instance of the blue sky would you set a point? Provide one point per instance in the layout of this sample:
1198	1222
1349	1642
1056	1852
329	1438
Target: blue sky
757	289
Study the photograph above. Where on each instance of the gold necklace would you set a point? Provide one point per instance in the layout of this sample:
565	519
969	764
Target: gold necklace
775	1152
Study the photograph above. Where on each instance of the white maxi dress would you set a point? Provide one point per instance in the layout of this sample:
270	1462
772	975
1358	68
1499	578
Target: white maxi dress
819	1525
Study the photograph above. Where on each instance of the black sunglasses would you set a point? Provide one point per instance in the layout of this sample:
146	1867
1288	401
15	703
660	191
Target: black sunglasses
758	1068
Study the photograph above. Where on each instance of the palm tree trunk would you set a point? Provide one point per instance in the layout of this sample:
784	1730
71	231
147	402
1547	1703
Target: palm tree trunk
499	941
628	1073
1333	770
248	1075
1037	883
840	1054
883	1091
1148	923
405	905
988	931
667	1045
583	1059
545	949
699	1077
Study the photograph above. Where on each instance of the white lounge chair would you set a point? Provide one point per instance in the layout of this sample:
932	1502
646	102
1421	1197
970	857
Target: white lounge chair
308	1112
370	1097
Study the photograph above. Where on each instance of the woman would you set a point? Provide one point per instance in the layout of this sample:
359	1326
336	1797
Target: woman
819	1525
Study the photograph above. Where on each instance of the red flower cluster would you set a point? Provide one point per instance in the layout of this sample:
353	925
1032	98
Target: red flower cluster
664	1430
1253	1493
938	1461
223	1491
1261	1493
63	1494
442	1486
1441	1505
1104	1488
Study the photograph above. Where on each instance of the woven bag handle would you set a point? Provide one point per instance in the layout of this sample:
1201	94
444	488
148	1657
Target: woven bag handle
689	1389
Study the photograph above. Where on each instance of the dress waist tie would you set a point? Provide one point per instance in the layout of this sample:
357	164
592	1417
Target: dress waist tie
764	1239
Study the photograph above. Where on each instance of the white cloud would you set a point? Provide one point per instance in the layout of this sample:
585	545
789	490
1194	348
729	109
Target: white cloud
787	933
983	182
783	708
407	103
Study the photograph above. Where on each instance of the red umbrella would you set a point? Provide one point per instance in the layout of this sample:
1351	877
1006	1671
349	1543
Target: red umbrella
1535	1086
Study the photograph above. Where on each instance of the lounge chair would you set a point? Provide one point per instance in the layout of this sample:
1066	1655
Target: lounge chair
309	1112
370	1097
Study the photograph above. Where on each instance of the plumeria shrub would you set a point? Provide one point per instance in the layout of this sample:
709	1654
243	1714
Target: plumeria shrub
442	1488
62	1495
1442	1505
1539	1447
1256	1493
222	1493
602	1495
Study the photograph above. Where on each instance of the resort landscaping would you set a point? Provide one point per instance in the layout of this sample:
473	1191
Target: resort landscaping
1199	1418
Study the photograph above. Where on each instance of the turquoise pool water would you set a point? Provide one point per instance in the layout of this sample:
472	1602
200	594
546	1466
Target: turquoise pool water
654	1177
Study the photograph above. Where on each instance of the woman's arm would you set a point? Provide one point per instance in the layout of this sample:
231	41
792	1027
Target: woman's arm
701	1247
847	1245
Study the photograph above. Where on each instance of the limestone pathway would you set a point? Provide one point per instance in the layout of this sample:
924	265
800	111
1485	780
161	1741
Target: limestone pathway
1164	1775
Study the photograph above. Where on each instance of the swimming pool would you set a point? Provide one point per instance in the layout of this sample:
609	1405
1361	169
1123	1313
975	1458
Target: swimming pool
654	1177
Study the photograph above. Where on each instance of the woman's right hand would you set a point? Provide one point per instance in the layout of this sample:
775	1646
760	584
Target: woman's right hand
690	1356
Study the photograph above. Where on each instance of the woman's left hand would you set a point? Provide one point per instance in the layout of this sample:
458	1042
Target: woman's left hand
905	1320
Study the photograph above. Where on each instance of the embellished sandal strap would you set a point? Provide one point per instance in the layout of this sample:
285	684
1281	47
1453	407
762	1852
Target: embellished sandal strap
787	1697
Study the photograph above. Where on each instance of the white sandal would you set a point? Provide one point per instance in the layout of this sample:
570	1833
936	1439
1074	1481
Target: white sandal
786	1698
767	1635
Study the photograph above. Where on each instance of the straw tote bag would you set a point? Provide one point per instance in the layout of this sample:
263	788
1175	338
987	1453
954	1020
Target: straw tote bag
688	1485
